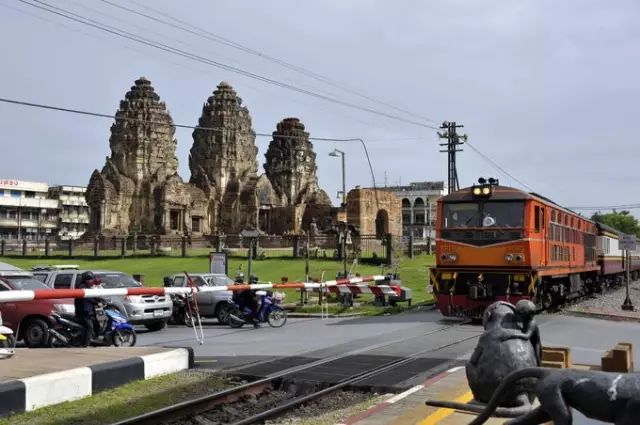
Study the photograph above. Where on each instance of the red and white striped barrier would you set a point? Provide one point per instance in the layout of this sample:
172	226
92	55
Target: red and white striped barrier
339	286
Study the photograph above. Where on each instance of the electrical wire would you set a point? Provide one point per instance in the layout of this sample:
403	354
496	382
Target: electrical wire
498	167
196	127
207	35
167	48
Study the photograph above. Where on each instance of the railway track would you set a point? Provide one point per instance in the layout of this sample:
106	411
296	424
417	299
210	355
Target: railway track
206	405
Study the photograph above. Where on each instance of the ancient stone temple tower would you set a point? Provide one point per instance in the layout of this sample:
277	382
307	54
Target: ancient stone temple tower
223	161
290	185
138	188
291	165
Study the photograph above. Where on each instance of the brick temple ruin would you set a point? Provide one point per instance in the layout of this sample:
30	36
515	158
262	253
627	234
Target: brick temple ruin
139	189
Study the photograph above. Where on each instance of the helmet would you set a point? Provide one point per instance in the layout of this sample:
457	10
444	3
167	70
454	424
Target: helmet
89	279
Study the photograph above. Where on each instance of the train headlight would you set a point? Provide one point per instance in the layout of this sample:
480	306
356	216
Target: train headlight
519	258
477	191
508	257
486	190
449	257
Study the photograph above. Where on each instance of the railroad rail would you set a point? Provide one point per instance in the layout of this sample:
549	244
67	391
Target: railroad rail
203	404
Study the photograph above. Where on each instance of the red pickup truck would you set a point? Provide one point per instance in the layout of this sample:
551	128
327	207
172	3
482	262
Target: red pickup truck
30	320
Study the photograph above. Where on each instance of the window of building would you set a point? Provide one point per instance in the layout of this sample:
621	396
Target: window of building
419	219
12	214
16	194
29	194
1	192
174	220
195	224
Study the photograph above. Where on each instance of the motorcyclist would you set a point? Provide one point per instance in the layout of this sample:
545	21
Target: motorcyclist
85	312
247	298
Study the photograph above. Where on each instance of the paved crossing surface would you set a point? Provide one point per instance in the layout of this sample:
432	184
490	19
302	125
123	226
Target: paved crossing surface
436	344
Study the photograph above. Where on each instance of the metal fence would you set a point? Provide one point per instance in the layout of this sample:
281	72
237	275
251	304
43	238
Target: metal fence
367	248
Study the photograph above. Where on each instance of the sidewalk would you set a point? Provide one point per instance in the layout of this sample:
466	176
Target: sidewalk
604	313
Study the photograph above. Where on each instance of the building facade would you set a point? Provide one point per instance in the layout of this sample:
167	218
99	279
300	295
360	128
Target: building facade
26	212
419	208
73	211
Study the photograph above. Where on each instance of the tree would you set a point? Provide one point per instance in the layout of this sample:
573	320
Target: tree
622	221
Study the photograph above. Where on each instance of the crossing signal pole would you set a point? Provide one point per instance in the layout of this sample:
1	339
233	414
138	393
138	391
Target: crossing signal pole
453	141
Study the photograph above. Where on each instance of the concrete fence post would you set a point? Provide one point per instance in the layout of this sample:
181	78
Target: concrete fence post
96	246
24	247
183	246
123	246
411	253
3	245
70	248
46	248
389	248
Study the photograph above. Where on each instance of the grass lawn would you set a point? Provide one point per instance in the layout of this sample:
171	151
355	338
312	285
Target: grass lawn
413	272
123	402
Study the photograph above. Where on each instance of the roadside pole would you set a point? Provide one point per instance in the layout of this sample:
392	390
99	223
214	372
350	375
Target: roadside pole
627	243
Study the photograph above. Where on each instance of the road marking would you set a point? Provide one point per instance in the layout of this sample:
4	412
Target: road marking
205	361
455	369
443	412
402	395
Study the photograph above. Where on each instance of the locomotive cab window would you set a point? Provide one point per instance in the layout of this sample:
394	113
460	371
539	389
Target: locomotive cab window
485	214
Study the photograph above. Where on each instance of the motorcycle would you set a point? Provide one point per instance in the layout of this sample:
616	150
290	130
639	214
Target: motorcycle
112	329
182	313
7	341
269	311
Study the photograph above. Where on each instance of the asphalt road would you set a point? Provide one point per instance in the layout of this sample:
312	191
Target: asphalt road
420	334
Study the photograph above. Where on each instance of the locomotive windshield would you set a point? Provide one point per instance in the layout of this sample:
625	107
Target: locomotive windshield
483	214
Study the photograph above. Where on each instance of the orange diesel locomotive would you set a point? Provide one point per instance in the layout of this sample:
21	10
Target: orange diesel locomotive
499	243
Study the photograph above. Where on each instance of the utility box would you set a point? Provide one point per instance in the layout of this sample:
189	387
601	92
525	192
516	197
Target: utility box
406	295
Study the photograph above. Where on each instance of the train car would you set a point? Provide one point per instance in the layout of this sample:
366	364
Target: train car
611	258
499	243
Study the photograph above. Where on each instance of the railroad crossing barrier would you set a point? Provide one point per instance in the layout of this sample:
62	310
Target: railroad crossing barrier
352	285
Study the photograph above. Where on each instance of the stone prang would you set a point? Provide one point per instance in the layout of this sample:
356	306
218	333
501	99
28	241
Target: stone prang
291	165
139	189
223	161
133	192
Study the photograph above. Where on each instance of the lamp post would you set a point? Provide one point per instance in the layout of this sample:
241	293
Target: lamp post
335	153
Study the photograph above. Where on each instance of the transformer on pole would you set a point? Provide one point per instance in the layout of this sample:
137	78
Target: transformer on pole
453	141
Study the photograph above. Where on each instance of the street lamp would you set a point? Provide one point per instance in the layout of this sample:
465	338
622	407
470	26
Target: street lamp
337	153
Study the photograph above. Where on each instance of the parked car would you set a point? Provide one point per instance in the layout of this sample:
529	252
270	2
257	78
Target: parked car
152	311
30	320
210	304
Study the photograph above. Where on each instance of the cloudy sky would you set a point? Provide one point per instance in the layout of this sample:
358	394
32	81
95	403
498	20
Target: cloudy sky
549	90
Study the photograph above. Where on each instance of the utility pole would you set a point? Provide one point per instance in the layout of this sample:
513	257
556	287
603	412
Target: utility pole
453	141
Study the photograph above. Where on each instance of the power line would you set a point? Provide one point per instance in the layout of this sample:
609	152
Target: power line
164	47
498	167
607	207
203	33
195	127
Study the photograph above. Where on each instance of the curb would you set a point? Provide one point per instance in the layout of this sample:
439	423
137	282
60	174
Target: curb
318	315
27	394
603	316
416	307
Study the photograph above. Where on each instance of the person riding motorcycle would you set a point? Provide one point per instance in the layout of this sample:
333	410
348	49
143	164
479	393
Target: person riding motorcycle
247	298
85	312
